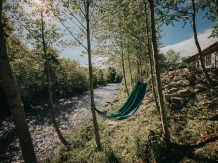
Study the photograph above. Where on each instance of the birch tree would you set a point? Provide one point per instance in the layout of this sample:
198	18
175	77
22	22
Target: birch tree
15	103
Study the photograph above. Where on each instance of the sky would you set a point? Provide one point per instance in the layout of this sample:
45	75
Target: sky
181	39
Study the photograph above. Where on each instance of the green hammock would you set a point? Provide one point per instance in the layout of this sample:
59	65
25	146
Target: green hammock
130	106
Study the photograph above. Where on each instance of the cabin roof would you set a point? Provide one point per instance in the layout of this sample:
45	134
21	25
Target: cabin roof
210	49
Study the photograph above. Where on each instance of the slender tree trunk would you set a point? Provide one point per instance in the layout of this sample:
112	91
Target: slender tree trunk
130	71
138	69
49	88
140	58
150	60
217	8
123	67
95	123
14	100
159	86
198	46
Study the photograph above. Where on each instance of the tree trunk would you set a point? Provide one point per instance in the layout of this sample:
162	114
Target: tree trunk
150	59
95	123
198	46
138	69
49	88
14	100
217	8
123	68
130	71
156	64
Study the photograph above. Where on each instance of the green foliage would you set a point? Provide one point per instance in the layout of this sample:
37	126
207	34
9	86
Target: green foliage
173	57
83	148
162	62
66	76
112	76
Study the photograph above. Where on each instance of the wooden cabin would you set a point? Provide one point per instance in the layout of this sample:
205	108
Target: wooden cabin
210	56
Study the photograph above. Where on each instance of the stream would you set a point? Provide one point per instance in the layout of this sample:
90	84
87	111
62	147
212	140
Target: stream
70	113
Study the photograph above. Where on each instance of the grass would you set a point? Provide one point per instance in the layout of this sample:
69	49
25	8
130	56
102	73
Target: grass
194	136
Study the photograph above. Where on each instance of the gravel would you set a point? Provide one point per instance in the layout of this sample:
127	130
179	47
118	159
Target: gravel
69	113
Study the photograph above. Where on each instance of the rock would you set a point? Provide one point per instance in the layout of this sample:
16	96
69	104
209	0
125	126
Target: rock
176	106
172	90
112	123
168	97
61	100
183	91
198	81
173	84
198	90
183	83
179	99
198	72
168	87
201	86
191	78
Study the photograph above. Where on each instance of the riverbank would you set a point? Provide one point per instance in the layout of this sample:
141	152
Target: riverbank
69	112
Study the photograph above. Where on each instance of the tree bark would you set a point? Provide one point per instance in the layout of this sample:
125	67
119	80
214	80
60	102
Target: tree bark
217	8
198	46
123	68
14	100
159	86
95	123
60	136
150	60
130	71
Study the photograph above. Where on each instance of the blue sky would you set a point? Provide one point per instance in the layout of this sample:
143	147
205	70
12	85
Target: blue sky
181	39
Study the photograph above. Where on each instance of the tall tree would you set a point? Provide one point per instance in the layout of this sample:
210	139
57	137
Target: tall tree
82	11
87	16
33	23
15	103
49	83
198	45
150	56
157	73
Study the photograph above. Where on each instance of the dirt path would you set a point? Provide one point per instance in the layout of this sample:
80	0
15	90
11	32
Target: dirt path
69	112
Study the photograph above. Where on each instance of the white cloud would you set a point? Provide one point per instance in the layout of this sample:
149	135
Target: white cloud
188	47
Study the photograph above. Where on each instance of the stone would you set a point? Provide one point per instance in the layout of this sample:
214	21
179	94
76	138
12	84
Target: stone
112	123
172	90
183	83
178	99
61	100
168	97
198	81
191	78
201	86
176	106
198	90
173	84
183	91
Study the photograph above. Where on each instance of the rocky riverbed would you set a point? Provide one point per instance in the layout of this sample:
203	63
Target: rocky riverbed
69	113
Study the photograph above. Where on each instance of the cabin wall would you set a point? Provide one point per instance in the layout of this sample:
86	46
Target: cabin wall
210	61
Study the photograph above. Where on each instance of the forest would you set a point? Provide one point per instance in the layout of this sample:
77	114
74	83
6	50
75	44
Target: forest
123	38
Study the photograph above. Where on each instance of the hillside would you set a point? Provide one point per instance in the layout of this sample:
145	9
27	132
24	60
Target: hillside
192	113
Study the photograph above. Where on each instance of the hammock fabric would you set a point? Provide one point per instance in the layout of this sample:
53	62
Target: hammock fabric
130	106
